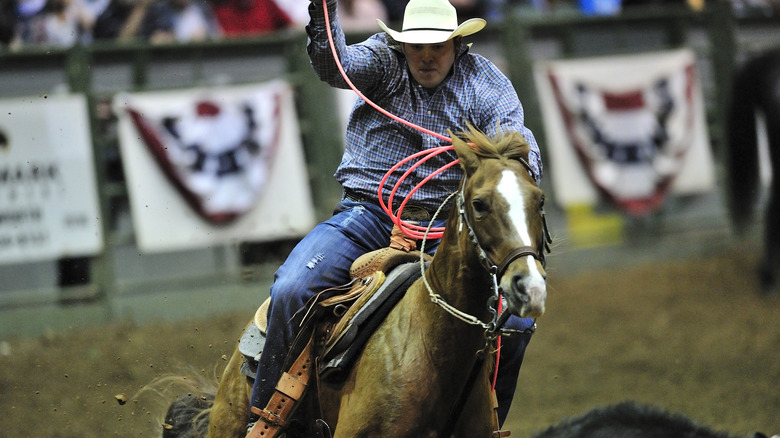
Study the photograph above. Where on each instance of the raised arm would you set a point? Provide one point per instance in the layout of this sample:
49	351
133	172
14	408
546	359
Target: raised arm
365	63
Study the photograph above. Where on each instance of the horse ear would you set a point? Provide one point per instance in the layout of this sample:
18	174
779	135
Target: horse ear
468	159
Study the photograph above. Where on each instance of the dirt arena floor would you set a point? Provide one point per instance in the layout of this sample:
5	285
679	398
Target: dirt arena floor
693	337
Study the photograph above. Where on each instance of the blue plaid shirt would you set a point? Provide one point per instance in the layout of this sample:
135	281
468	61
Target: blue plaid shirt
475	92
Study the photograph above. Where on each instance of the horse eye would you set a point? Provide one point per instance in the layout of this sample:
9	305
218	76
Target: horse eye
480	206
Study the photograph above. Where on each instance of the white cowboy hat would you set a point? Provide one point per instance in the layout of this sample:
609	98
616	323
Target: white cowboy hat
430	22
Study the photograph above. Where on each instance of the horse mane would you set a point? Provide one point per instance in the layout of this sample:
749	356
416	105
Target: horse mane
504	146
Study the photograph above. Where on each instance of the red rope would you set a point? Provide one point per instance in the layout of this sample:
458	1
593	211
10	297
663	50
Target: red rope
410	230
349	82
498	350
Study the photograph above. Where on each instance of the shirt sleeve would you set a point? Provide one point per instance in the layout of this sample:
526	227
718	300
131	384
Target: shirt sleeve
503	111
318	46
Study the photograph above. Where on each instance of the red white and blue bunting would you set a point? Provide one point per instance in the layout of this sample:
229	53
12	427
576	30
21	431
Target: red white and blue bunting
626	128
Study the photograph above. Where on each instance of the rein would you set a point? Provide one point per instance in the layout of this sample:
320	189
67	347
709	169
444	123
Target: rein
492	330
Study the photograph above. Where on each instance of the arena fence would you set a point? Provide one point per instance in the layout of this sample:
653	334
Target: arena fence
100	71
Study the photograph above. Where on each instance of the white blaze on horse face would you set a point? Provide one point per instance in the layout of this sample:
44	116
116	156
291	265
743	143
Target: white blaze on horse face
533	285
513	194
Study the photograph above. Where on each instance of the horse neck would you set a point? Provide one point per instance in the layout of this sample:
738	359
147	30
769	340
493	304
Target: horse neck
457	275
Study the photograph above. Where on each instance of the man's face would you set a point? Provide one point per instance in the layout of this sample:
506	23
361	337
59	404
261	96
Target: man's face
430	63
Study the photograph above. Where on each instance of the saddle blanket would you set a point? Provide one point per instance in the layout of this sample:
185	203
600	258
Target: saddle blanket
340	353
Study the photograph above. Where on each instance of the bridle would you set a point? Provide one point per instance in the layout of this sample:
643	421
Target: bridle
494	328
516	253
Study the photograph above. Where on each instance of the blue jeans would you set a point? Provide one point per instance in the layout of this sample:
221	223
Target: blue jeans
322	260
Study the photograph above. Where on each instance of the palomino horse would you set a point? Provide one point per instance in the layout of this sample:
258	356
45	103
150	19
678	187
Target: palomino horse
414	367
756	88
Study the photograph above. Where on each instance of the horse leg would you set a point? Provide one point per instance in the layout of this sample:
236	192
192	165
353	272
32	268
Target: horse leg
228	418
741	154
770	103
478	418
770	269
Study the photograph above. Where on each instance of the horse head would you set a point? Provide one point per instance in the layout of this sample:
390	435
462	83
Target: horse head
501	209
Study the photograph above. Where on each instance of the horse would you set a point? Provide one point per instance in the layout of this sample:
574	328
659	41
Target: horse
756	88
416	368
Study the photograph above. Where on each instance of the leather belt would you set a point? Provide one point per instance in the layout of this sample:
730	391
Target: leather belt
412	212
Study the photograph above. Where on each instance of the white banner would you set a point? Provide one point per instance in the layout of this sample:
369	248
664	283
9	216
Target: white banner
630	128
48	199
213	166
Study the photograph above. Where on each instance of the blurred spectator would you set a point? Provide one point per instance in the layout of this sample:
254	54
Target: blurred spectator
66	22
297	10
60	23
9	19
361	15
696	5
27	12
395	10
120	20
600	7
167	21
29	8
249	17
747	8
95	7
354	15
92	9
469	8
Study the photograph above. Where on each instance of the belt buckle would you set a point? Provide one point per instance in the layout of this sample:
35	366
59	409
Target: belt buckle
352	196
415	213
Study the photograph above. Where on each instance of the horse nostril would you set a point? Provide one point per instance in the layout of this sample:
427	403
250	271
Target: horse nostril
525	298
518	284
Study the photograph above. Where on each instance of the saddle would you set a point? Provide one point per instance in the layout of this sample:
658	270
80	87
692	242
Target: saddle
353	310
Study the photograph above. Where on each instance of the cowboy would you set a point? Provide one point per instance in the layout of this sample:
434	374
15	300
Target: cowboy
424	74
